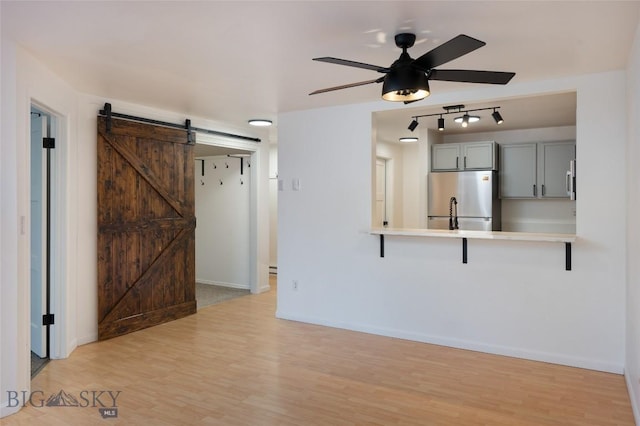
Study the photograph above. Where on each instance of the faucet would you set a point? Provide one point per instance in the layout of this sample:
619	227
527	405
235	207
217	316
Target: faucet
453	219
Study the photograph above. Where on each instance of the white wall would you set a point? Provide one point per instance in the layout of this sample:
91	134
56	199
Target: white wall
223	222
512	298
10	378
24	80
632	363
32	83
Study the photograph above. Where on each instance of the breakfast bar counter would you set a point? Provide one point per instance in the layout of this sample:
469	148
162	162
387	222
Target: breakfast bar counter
567	239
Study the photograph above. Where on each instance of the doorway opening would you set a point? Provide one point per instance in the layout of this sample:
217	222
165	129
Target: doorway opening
223	198
382	186
42	140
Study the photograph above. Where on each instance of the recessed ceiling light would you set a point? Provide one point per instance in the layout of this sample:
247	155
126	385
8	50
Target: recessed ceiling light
260	122
409	139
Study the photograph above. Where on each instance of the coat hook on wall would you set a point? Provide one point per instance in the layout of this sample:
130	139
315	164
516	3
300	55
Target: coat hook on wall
198	159
226	165
241	182
220	181
201	182
241	157
214	166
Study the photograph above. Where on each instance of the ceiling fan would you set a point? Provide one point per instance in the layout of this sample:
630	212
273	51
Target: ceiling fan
407	79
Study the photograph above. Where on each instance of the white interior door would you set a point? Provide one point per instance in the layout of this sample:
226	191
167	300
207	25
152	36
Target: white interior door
38	232
381	193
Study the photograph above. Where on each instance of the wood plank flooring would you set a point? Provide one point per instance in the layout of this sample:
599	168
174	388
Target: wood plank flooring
236	364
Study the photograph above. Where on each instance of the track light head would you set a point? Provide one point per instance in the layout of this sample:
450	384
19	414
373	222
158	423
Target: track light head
441	123
413	125
497	117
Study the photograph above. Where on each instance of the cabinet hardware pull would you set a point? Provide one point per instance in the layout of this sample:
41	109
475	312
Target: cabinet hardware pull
534	190
543	189
457	162
465	161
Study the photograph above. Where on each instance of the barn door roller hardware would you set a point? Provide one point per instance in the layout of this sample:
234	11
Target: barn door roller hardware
108	113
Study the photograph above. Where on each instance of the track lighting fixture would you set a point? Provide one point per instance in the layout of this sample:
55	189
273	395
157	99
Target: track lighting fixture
466	119
463	120
497	117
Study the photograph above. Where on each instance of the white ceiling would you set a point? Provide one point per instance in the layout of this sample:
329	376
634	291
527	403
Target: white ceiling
231	61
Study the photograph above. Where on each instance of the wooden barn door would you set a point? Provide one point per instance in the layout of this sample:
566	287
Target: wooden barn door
146	226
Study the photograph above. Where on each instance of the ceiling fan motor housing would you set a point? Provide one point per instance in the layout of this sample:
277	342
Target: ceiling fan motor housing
405	83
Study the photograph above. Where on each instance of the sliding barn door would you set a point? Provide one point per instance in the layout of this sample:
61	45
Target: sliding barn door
146	224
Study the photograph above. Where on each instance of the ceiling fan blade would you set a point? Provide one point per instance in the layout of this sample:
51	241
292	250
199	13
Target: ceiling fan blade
352	64
346	86
472	76
454	48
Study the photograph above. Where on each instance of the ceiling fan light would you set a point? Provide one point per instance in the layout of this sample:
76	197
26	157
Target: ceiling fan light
405	84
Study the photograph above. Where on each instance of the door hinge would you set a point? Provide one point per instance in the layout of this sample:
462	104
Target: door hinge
48	319
49	143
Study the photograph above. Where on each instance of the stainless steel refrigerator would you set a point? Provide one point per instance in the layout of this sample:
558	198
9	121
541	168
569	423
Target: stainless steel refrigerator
463	200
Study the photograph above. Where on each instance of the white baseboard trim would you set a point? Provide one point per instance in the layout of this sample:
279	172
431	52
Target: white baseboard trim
263	289
223	284
633	397
463	344
93	337
5	410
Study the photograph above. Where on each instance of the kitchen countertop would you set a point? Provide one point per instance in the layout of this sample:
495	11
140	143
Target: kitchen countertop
484	235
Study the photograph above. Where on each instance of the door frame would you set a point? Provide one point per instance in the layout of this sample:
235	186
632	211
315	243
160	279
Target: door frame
256	269
58	224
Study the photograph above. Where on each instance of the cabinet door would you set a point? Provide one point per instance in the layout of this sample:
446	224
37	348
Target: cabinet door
445	157
554	159
478	156
518	171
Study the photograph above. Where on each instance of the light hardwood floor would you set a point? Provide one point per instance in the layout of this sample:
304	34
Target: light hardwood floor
236	364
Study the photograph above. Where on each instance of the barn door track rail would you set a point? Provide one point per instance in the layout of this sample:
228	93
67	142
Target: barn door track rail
108	113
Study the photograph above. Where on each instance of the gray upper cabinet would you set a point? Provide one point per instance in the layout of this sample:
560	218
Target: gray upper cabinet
554	158
535	170
463	156
518	170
